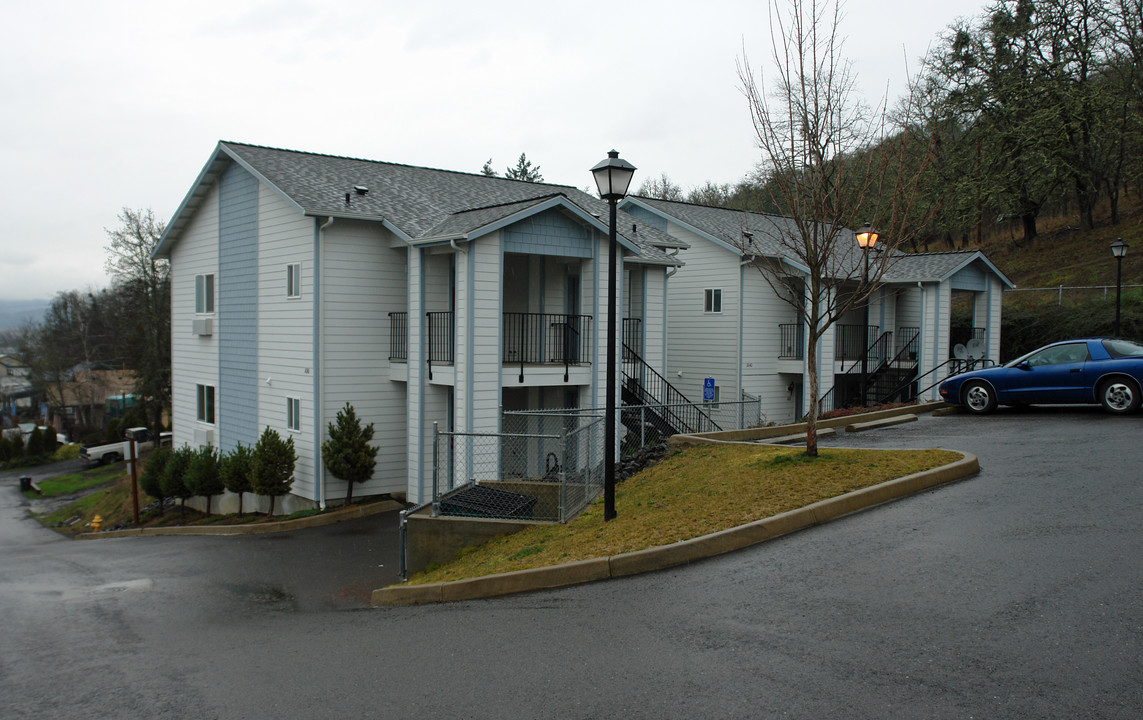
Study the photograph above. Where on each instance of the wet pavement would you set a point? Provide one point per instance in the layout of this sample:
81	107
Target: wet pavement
1016	593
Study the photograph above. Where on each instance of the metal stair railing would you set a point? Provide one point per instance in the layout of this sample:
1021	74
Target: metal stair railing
881	344
683	414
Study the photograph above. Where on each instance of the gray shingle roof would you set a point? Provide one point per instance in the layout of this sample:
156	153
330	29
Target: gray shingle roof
419	202
728	226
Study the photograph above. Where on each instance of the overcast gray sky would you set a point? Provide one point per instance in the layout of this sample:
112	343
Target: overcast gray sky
119	103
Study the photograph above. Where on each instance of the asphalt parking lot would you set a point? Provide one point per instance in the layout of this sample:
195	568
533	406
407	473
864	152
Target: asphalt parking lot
1016	593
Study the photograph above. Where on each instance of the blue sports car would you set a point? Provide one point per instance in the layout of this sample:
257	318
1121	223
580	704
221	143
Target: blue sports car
1106	371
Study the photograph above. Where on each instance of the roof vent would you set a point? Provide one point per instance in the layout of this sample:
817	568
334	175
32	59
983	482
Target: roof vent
360	189
634	227
749	236
347	198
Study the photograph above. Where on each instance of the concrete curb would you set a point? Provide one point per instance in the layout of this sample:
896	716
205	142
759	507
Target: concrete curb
764	434
680	553
883	422
326	518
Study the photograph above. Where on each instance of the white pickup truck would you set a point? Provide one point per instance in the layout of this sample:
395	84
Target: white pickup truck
121	449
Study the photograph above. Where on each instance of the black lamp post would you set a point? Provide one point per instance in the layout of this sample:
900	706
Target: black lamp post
866	238
1119	250
612	177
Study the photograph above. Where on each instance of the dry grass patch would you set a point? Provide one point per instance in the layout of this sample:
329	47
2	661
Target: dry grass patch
692	493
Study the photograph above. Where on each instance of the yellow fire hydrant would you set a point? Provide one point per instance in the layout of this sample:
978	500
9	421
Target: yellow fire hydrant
96	523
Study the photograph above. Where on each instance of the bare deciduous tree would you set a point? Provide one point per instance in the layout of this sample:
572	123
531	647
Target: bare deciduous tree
829	164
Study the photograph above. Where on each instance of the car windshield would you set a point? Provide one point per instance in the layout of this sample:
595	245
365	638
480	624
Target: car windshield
1122	348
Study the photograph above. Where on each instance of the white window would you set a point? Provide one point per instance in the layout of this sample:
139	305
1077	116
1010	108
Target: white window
712	300
294	413
294	280
205	404
204	293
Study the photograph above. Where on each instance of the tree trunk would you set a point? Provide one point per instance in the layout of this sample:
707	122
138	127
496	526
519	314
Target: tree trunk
271	506
1028	220
349	493
240	504
812	410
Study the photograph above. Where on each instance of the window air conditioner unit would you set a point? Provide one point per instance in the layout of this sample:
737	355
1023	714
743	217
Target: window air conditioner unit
203	326
203	437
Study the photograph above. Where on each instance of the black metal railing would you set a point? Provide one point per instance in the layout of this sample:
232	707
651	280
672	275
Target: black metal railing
908	345
399	336
793	341
643	385
546	339
633	335
441	337
849	340
962	335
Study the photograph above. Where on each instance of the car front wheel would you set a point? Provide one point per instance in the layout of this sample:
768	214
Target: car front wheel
979	398
1119	396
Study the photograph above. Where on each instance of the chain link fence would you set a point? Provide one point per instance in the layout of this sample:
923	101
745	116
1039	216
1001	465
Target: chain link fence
1064	294
545	476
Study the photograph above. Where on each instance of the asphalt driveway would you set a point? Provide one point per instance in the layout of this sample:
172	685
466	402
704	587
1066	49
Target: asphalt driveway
1017	593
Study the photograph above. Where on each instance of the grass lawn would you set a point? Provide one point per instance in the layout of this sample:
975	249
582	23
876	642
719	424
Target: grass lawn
113	504
689	494
72	482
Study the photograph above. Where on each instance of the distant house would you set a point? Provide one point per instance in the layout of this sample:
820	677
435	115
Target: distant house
83	397
426	298
16	393
725	321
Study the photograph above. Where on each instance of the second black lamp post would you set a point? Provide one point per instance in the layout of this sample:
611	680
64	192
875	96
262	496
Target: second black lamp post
612	178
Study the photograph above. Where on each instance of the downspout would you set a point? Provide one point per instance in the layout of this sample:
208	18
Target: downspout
319	357
675	269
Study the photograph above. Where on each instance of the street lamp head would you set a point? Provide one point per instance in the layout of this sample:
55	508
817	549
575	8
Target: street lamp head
867	237
1119	248
613	176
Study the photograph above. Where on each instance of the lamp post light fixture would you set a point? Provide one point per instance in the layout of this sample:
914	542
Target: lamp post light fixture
612	178
866	239
1118	250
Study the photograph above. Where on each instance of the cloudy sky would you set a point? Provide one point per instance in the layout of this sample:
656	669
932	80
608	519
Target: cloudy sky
119	103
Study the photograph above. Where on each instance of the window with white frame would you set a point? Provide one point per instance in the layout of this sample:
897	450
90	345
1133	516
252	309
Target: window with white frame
204	293
205	404
294	413
712	300
294	280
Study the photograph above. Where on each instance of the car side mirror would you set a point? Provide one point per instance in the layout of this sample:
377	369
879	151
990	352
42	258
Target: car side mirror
1024	366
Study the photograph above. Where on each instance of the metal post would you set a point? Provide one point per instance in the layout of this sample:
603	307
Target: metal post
1118	290
436	465
135	477
609	414
865	325
564	477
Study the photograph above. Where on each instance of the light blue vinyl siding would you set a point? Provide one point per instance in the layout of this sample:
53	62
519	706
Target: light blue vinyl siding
550	233
238	309
969	278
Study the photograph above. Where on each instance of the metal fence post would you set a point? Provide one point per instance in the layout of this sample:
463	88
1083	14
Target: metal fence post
564	477
436	469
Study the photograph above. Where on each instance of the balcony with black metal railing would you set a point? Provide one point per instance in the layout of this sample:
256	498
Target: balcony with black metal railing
526	339
792	341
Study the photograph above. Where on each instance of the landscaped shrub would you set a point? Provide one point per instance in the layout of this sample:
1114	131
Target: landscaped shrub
152	479
112	433
174	476
202	477
7	451
347	453
272	467
234	469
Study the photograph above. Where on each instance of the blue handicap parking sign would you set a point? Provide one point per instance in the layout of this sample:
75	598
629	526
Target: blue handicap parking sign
708	389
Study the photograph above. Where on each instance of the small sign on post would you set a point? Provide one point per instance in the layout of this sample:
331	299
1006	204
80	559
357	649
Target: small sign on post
708	390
